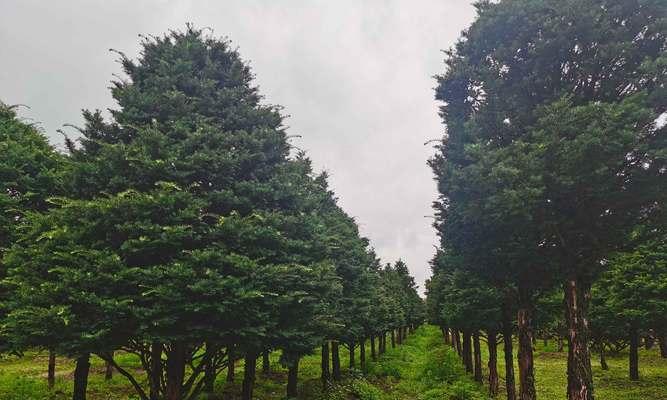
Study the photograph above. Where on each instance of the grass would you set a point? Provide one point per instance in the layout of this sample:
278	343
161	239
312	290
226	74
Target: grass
423	368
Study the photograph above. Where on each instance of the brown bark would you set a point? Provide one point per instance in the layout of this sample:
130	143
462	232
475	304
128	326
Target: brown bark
266	362
155	373
603	359
508	348
326	374
634	353
292	379
81	377
445	332
249	371
335	361
467	352
579	373
478	357
492	343
373	354
108	369
51	374
362	354
175	370
525	353
561	344
457	342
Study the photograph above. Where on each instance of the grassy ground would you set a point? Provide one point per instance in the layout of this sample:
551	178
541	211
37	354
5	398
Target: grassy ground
423	368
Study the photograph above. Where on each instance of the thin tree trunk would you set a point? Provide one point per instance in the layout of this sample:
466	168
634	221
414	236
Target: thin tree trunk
393	338
492	342
51	375
445	332
326	374
508	349
525	354
108	369
649	340
351	348
561	344
175	372
81	377
266	362
335	360
478	357
292	379
373	354
579	373
663	343
249	371
467	352
634	353
603	359
155	374
231	365
362	354
457	342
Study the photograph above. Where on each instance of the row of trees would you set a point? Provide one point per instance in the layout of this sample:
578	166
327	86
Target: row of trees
185	230
552	182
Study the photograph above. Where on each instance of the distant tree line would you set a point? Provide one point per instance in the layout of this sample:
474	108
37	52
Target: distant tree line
185	229
552	180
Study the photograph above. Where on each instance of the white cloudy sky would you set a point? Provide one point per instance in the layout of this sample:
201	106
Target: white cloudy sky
356	78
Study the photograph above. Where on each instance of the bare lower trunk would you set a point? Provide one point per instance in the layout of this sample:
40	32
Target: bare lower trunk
335	360
292	379
478	357
467	352
362	354
266	362
561	344
457	342
663	343
525	354
509	356
492	344
108	369
81	377
393	338
326	375
51	375
155	373
351	348
445	333
634	353
579	374
175	372
603	359
249	370
231	365
373	354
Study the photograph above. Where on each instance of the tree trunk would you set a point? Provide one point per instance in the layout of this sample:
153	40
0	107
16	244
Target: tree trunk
335	360
478	357
373	354
445	332
561	344
155	373
249	370
382	343
467	352
292	379
351	348
266	362
175	372
493	362
457	342
81	377
634	353
108	369
663	343
525	354
362	354
231	365
51	375
508	348
326	375
393	338
579	374
603	359
649	340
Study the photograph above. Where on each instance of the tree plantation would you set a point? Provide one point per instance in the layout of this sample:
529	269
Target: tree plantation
180	246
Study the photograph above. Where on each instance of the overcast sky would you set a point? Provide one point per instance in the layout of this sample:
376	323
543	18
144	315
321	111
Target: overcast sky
355	77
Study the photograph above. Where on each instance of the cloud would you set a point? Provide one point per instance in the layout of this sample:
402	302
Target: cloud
354	76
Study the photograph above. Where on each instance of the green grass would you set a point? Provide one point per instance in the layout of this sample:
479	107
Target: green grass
423	368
